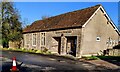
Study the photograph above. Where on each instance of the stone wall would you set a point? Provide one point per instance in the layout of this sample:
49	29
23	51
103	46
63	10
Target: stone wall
52	40
15	44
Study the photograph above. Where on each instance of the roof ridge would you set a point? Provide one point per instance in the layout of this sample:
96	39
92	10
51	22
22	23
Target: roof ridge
69	12
75	11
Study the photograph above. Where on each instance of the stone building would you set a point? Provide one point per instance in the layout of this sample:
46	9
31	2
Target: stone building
88	31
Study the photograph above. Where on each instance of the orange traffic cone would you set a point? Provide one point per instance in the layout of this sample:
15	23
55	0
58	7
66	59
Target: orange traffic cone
14	67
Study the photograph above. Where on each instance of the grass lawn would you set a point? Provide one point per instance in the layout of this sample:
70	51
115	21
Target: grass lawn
117	58
111	59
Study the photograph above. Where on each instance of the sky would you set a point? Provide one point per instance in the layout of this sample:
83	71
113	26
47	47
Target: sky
32	11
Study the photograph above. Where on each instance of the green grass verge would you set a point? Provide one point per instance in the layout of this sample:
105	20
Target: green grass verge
91	58
117	58
26	50
47	53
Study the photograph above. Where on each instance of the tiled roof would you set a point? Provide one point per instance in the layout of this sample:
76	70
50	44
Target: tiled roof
67	20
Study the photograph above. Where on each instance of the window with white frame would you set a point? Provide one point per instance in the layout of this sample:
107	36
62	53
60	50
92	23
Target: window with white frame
34	39
43	39
97	38
111	42
27	39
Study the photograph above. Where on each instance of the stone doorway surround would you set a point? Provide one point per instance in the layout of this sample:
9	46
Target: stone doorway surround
67	45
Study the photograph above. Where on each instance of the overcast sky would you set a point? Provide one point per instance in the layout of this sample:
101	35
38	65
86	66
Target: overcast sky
32	11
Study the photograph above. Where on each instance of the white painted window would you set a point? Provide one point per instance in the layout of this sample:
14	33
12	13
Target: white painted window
27	39
97	38
43	39
34	39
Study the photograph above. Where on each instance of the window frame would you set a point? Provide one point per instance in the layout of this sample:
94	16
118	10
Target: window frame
98	37
33	39
43	39
27	39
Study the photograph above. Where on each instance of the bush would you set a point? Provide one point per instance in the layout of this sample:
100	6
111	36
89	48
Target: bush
32	50
116	47
45	50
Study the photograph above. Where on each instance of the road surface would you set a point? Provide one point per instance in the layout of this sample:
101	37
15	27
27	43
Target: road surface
50	63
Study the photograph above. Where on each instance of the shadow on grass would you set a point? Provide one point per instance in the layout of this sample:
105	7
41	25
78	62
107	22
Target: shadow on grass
111	59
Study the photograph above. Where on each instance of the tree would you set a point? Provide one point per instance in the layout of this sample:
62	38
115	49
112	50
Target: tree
0	25
45	17
11	25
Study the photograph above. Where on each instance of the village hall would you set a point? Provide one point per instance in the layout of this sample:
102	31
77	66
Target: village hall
88	31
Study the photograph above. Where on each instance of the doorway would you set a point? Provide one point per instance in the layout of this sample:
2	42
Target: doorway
71	45
58	39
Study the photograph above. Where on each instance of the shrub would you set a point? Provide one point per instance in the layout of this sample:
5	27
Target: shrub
32	50
45	50
116	47
35	50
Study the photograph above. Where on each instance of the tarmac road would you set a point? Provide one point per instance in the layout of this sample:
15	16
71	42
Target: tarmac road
50	63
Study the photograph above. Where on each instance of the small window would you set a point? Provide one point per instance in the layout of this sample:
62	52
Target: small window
98	39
